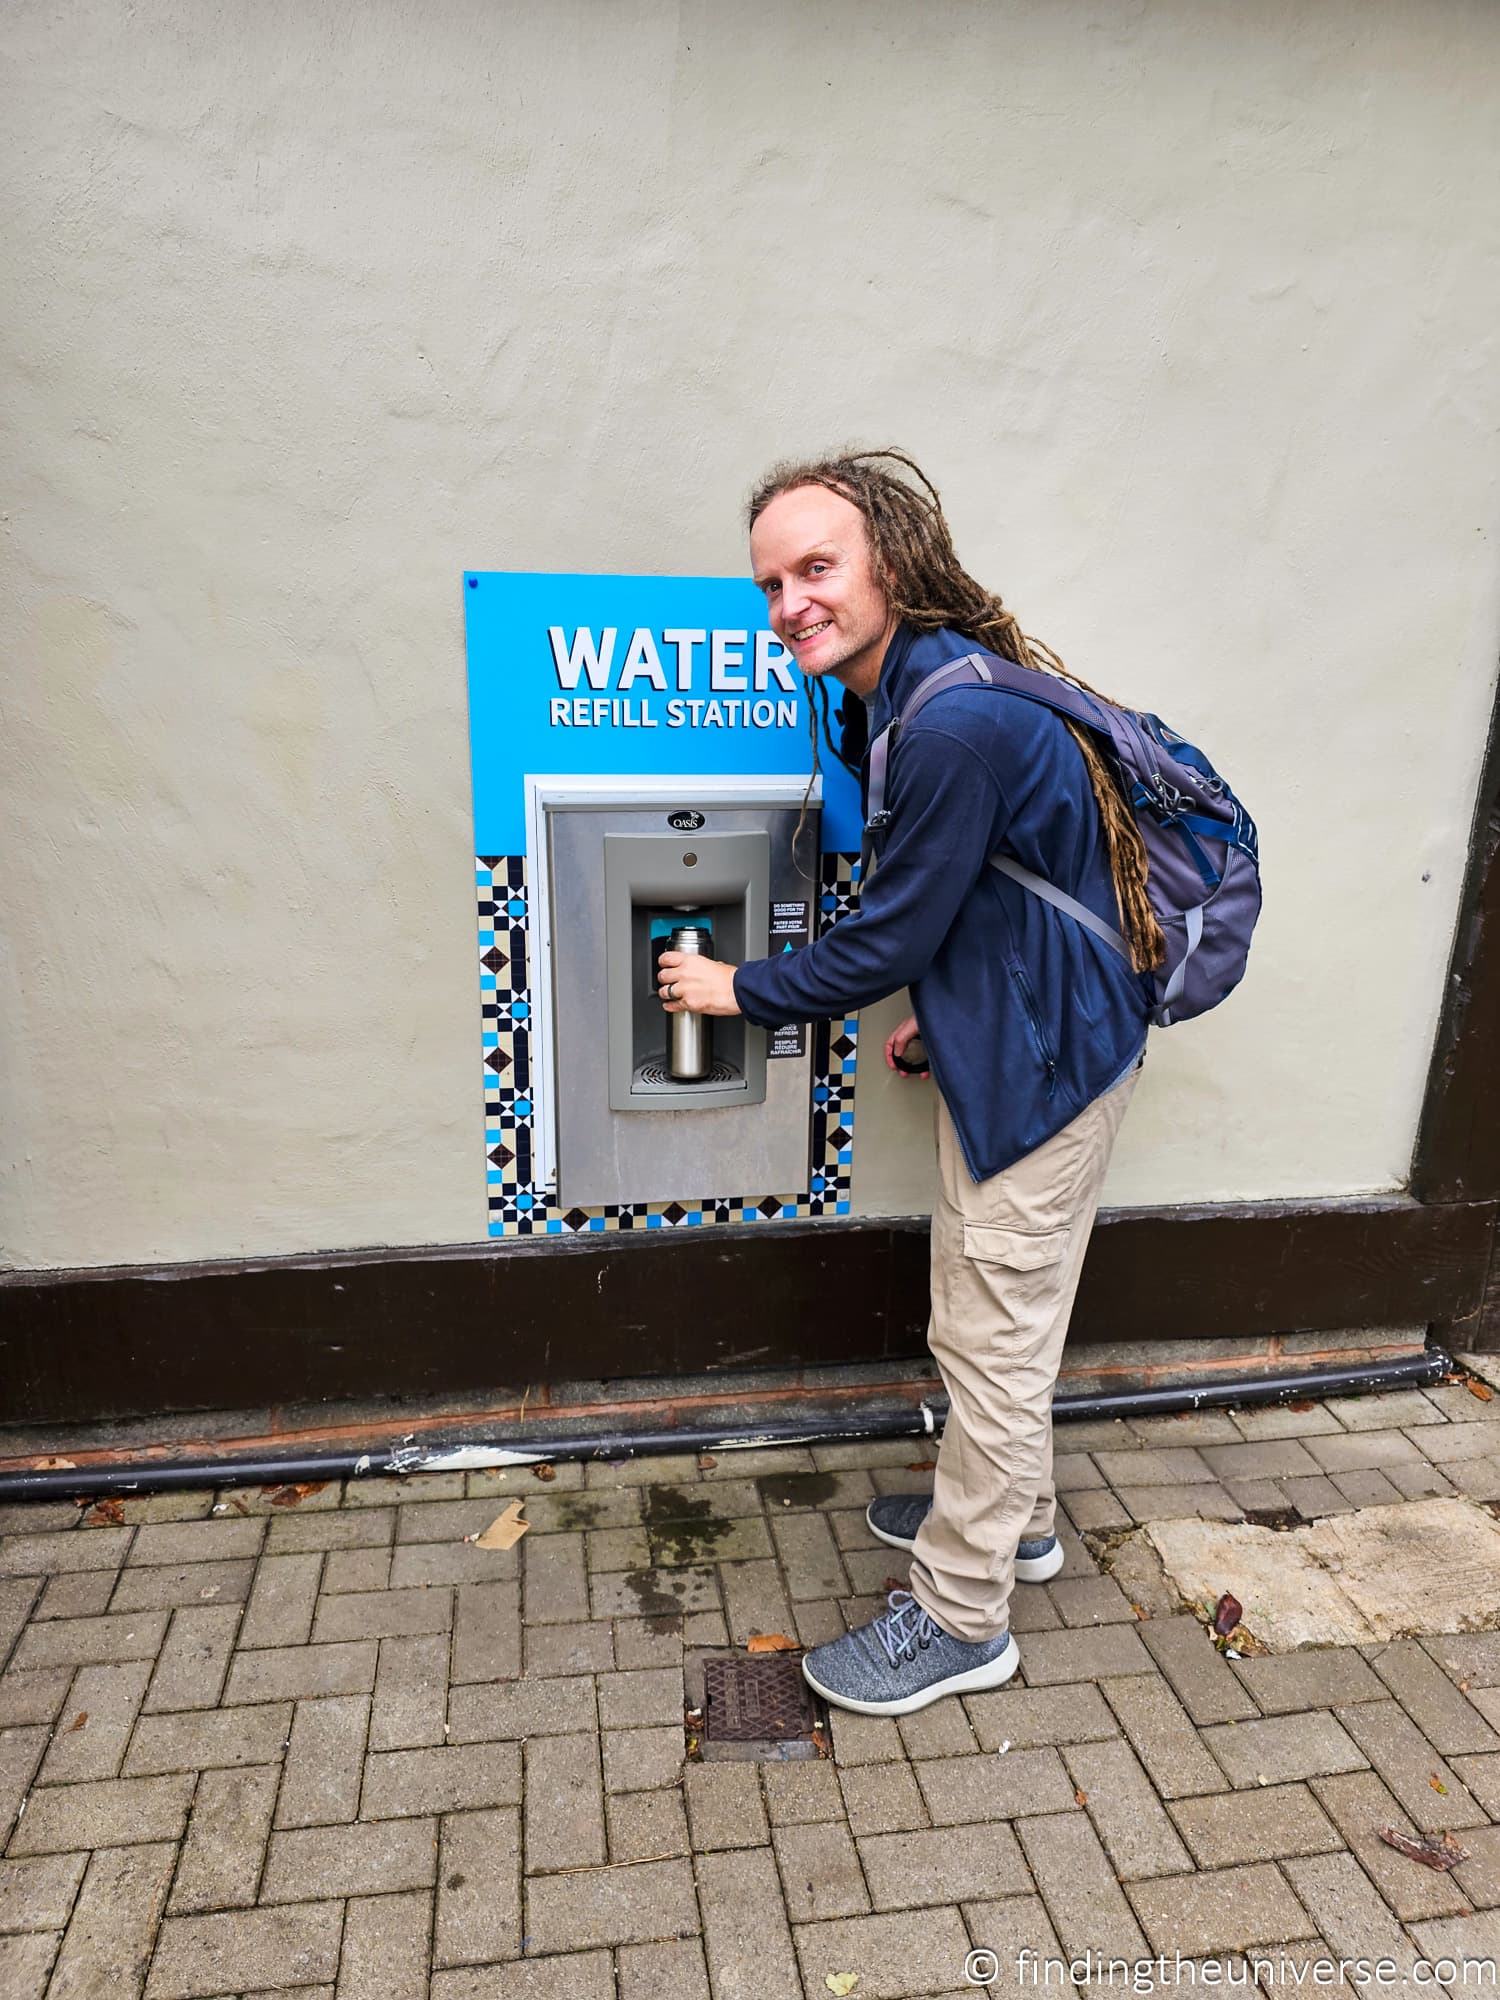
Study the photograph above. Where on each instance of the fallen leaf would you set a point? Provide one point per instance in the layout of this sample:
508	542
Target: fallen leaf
1463	1687
692	1746
1480	1389
1140	1611
1432	1850
544	1472
80	1721
1437	1784
504	1531
706	1461
1227	1614
239	1506
1080	1798
895	1583
923	1465
112	1511
841	1982
771	1642
293	1496
1301	1406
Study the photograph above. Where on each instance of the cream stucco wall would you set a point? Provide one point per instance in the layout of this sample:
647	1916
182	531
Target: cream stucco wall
1189	308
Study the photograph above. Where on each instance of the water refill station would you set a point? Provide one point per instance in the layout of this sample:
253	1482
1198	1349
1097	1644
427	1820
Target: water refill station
641	768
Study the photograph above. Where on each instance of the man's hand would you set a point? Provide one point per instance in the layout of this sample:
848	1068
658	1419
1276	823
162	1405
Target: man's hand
688	983
897	1042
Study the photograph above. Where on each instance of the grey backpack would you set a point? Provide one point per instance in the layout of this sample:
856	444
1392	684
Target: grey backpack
1203	872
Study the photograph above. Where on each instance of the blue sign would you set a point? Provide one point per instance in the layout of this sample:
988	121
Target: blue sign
632	675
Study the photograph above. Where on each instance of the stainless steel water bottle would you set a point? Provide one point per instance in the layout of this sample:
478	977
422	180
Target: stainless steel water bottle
689	1047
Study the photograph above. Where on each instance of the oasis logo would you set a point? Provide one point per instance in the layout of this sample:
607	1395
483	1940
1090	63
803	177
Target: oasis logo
685	822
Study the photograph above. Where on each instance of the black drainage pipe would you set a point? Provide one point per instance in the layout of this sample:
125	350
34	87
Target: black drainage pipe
55	1482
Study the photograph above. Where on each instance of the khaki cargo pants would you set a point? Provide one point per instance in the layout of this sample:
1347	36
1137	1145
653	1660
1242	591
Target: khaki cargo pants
1006	1256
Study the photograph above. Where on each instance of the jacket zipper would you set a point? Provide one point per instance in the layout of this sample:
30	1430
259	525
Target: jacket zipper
1034	1022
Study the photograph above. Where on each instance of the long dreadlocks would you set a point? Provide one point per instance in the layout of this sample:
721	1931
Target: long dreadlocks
917	566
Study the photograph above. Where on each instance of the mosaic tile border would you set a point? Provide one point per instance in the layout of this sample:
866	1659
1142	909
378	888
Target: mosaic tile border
516	1205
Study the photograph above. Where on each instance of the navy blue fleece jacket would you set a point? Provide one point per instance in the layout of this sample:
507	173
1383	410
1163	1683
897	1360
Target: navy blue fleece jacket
1026	1016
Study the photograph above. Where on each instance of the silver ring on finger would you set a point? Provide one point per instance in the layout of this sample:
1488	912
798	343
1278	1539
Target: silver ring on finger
672	991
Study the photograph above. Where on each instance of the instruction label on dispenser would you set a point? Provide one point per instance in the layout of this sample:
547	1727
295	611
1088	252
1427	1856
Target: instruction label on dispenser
790	929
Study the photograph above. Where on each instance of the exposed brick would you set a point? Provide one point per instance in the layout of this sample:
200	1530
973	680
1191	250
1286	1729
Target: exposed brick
1479	1876
356	1569
575	1513
491	1712
298	1673
1052	1657
207	1740
644	1593
1355	1451
1268	1458
942	1729
649	1642
60	1819
1028	1718
280	1607
96	1723
190	1672
1472	1941
113	1928
916	1870
37	1517
33	1697
1096	1510
574	1975
1091	1600
637	1760
1179	1467
83	1642
617	1548
1468	1656
1314	1496
20	1753
193	1542
820	1872
980	1788
1283	1748
637	1700
48	1555
396	1491
404	1784
1368	1488
799	1793
308	1863
754	1601
1138	1836
1010	1927
809	1556
298	1534
746	1940
1431	1699
564	1805
658	1469
1454	1444
17	1596
882	1798
421	1564
647	1826
724	1806
226	1842
382	1614
569	1649
1482	1776
1227	1909
1409	1765
37	1895
1315	1677
83	1593
411	1693
486	1632
384	1955
1082	1896
479	1888
25	1963
1162	1736
1207	1502
672	1971
1200	1679
198	1957
451	1520
151	1589
1359	1804
1351	1917
1260	1825
321	1781
613	1905
863	1739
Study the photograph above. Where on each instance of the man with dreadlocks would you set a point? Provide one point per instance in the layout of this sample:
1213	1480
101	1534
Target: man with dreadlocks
1034	1029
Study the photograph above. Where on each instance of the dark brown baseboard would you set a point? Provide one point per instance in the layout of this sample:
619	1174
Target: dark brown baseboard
79	1346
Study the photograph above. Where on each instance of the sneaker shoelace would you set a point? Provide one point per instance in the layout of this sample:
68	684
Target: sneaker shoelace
904	1628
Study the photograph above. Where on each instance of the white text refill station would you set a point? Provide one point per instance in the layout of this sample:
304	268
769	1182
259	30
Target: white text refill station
641	780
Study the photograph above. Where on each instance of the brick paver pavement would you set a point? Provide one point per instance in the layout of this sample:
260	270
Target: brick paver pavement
261	1742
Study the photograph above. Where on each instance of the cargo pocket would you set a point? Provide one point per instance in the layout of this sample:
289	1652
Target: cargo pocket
1016	1249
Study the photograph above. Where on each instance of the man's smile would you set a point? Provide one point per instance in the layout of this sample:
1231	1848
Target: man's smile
810	631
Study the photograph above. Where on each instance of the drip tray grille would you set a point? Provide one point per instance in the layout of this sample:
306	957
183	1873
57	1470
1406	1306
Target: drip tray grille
655	1076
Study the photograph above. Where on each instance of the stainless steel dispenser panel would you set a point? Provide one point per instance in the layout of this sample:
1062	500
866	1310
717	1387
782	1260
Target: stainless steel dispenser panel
744	1139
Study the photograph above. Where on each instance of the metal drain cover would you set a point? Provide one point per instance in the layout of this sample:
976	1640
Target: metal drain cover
761	1699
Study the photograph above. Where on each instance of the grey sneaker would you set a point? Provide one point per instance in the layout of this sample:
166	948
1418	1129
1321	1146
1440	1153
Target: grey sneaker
896	1517
904	1660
